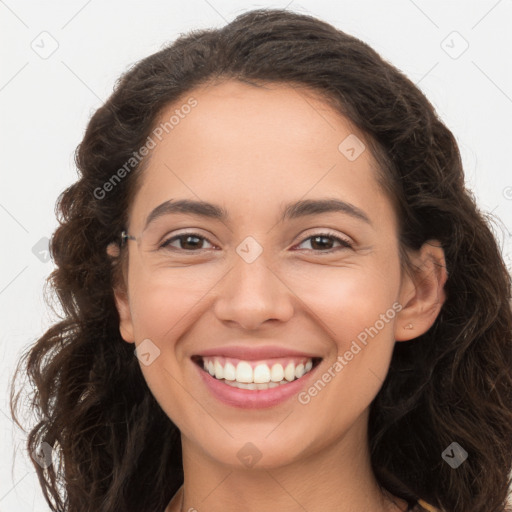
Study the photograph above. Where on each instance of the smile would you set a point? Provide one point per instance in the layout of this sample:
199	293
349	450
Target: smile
252	384
256	374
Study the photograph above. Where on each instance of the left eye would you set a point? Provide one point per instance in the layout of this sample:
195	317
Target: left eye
194	240
327	236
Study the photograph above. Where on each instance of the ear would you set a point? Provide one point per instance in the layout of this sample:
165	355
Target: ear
422	294
122	302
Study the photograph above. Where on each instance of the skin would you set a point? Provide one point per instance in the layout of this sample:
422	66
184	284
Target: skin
252	149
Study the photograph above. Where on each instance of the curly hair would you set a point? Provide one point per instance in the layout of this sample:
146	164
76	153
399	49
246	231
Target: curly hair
113	446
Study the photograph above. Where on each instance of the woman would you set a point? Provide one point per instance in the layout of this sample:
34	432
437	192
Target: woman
215	354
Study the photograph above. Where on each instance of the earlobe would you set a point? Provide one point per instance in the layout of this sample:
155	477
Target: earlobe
113	250
422	294
125	316
122	303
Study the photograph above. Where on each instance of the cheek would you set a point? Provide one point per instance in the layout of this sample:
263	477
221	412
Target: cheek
160	304
354	307
162	311
348	299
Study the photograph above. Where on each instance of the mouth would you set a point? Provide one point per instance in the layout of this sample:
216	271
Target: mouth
256	375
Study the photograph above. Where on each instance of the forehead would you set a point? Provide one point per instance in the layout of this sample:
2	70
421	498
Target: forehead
253	147
234	112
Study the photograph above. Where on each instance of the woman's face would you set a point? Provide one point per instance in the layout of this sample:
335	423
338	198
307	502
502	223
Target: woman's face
320	282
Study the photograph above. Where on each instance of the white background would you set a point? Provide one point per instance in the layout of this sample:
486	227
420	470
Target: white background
46	104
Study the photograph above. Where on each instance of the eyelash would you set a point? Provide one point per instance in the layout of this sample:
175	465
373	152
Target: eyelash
345	244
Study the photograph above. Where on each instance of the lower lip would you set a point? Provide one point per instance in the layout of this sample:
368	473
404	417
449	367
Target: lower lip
253	398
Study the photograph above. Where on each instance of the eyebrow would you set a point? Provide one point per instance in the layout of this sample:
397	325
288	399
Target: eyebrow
302	208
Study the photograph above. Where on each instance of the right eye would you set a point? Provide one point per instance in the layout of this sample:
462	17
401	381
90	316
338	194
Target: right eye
191	239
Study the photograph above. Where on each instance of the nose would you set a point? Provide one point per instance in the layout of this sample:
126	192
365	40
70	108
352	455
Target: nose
252	294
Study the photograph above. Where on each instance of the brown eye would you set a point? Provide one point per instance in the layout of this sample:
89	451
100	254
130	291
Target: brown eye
188	242
322	242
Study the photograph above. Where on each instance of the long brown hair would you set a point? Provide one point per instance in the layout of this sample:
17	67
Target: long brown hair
114	448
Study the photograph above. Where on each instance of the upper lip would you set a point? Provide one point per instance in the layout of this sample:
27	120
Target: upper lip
254	353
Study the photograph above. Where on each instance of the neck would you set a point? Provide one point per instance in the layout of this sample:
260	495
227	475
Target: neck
335	478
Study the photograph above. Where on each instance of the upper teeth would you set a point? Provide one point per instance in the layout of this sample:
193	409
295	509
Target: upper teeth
220	368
